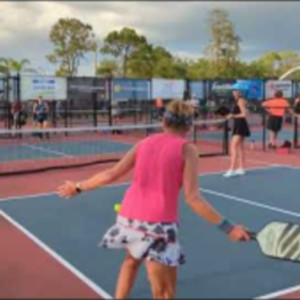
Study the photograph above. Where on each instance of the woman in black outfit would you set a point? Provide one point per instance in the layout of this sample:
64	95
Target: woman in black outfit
239	133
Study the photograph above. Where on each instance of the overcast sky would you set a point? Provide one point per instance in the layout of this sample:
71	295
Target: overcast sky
181	27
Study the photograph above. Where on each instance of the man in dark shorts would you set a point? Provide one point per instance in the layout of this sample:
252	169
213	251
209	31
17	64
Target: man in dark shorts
41	111
276	108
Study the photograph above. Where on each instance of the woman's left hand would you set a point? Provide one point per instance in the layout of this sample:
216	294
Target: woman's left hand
67	190
230	116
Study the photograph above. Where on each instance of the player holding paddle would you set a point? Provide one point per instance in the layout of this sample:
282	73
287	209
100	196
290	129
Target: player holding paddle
147	223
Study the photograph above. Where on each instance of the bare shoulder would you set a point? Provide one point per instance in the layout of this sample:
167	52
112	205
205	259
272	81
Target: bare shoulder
242	101
190	150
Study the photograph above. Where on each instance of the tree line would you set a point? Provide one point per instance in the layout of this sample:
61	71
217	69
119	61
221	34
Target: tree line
125	53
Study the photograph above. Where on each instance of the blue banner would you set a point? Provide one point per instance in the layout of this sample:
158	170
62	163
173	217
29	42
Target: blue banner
130	89
197	89
252	89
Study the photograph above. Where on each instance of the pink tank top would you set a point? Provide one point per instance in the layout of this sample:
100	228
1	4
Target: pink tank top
157	180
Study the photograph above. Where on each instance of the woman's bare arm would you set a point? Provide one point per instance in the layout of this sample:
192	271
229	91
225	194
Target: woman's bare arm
106	177
191	187
197	203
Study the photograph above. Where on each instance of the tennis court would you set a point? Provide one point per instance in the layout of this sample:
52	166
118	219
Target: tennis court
87	145
51	244
69	230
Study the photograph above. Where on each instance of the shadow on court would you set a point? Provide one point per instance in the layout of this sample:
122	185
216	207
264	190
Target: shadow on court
216	267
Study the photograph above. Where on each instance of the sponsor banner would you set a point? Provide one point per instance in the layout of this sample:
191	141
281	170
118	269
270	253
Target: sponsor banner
274	85
130	89
251	89
50	87
168	88
197	89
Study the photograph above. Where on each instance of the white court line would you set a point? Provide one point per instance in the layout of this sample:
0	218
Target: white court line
127	183
47	150
57	257
253	203
247	169
280	293
70	267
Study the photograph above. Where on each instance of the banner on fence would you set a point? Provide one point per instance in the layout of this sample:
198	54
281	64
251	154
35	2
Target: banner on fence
283	85
252	89
130	89
168	88
49	87
197	89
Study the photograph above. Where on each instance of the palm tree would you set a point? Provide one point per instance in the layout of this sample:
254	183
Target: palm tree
4	66
8	65
17	66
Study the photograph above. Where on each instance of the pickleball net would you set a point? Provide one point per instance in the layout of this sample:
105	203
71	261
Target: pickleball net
297	132
33	150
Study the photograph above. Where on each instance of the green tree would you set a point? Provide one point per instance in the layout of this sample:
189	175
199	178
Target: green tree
224	45
163	63
72	39
121	44
141	62
4	66
18	66
107	68
8	65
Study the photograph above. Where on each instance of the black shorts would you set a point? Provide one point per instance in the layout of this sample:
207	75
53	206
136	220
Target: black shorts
274	123
41	118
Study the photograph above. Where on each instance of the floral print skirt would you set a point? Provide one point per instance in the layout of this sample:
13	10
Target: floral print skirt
145	240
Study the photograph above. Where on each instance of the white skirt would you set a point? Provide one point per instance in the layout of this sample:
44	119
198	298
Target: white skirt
144	240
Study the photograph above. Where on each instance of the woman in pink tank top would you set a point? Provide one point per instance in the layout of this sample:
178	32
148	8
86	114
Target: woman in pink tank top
147	224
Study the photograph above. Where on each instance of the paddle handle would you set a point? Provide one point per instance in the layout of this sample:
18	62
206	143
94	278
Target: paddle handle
252	235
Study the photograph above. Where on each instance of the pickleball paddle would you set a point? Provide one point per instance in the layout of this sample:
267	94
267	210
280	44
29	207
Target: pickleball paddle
279	240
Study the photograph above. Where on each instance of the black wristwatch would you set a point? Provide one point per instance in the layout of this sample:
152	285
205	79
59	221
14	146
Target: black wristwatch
78	188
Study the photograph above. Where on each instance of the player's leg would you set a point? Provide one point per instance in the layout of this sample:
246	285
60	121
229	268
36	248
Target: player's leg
163	280
127	275
272	138
241	155
45	126
233	155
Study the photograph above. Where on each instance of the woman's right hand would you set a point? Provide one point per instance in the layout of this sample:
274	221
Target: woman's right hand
67	190
239	233
229	116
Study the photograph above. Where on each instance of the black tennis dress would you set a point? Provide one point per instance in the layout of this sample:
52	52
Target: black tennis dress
240	125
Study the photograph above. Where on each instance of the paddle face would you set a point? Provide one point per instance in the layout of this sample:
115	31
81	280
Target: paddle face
280	240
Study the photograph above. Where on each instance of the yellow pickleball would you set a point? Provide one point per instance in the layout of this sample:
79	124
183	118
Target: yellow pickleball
117	207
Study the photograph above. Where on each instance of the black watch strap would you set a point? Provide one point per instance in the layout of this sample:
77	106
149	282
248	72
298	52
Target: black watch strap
78	188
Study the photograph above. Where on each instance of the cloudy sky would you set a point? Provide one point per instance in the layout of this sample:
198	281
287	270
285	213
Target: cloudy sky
181	27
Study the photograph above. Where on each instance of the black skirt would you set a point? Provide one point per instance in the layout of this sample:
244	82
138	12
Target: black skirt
274	123
240	127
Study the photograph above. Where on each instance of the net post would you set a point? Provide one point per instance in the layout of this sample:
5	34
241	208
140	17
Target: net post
110	83
226	138
264	134
54	116
295	132
94	99
66	115
7	110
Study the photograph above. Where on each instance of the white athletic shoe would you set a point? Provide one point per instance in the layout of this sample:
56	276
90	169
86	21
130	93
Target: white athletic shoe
229	173
240	172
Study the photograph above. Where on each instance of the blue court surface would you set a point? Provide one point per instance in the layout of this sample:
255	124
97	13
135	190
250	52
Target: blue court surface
44	150
215	268
257	136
